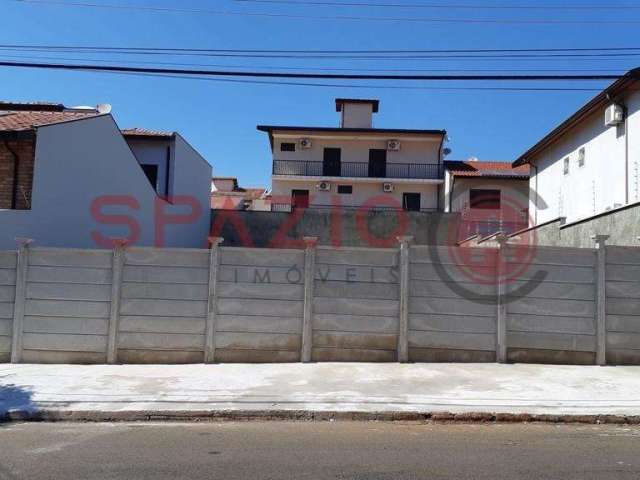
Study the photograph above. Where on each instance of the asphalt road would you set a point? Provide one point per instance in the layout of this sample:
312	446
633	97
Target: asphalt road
336	450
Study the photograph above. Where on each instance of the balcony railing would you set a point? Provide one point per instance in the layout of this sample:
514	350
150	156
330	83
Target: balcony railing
484	228
423	171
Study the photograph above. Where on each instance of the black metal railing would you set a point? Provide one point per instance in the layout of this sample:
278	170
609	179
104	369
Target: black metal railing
423	171
484	228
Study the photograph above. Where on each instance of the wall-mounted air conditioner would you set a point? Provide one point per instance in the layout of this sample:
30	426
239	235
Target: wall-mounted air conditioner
393	145
614	115
387	187
324	186
306	143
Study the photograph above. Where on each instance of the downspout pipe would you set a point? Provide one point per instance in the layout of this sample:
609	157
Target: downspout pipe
441	166
626	156
535	200
16	169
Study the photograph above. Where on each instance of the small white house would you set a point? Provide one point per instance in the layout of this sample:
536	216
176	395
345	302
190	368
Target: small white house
355	164
490	196
590	163
72	178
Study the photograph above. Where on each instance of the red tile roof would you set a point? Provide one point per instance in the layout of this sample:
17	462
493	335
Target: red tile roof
486	169
20	121
32	106
254	193
144	132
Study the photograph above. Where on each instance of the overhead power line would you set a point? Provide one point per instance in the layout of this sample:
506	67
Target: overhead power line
318	69
416	5
312	51
373	87
607	54
321	76
478	21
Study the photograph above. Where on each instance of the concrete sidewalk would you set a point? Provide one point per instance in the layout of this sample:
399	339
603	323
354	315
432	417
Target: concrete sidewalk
325	390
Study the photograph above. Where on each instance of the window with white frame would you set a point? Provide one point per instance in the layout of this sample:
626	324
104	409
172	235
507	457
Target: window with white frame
581	157
566	166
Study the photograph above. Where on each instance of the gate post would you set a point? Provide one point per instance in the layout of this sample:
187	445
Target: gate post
501	326
117	265
601	299
309	282
403	332
212	300
22	268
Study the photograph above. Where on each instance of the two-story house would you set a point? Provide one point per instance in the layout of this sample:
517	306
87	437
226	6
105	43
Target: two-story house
590	163
356	165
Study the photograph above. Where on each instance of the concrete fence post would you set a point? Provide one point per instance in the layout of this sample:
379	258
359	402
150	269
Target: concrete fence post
403	331
22	269
601	299
212	304
311	244
117	266
501	299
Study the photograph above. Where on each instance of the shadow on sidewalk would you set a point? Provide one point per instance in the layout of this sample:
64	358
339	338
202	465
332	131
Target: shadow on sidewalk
15	398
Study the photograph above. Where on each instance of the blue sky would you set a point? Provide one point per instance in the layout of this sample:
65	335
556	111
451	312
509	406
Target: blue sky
220	118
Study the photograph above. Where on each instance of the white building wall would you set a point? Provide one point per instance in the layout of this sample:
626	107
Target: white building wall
80	161
354	149
513	193
357	150
598	185
369	193
357	115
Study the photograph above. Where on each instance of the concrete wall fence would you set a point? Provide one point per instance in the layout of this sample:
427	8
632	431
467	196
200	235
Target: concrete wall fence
621	224
410	303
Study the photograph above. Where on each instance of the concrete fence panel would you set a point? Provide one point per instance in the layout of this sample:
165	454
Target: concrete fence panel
410	303
623	305
260	304
8	263
452	304
163	306
66	306
356	305
552	319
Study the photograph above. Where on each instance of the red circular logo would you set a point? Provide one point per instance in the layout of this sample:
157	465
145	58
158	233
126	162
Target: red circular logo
483	226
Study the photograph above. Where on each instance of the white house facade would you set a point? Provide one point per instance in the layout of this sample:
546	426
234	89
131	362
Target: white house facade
356	165
589	164
90	183
490	196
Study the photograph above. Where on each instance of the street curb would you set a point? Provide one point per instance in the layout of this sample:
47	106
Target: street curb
309	416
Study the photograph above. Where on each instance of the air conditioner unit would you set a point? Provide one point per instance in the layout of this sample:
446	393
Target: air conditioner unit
614	115
387	187
306	143
324	186
393	145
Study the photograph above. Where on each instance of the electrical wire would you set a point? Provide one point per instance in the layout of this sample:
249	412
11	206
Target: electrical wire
267	54
477	21
318	69
387	51
444	6
334	76
373	87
